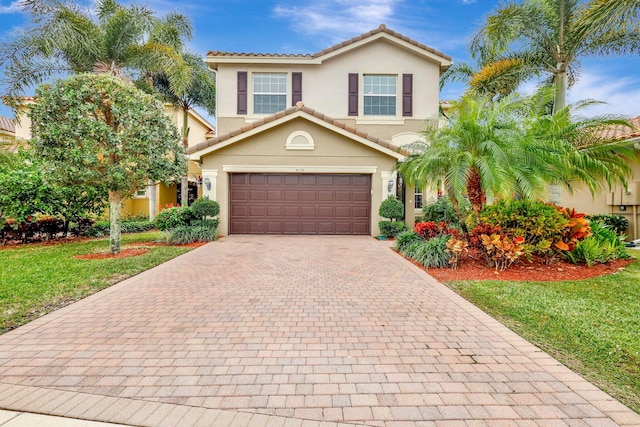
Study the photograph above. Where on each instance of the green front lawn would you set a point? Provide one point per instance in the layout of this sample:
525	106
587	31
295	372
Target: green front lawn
38	279
592	326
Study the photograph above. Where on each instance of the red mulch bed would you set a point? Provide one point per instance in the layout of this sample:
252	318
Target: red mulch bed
476	269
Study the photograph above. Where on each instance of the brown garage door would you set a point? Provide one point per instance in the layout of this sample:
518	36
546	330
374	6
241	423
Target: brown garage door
300	204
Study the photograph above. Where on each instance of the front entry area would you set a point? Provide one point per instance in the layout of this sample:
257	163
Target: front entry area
300	203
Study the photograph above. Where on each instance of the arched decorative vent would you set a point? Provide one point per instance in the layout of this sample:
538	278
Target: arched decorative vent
299	140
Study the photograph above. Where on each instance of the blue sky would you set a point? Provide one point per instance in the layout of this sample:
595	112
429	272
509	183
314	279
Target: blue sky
307	26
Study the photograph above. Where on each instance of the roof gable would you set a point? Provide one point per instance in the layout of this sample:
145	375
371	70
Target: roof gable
382	32
7	124
623	132
298	110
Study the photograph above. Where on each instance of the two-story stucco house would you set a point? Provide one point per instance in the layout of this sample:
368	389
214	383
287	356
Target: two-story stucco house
307	144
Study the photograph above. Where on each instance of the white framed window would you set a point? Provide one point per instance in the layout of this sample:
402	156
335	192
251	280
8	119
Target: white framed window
418	194
141	193
380	94
269	92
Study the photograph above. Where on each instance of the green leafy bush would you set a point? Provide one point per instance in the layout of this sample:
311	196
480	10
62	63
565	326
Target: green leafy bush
205	207
533	220
406	238
101	228
430	253
617	223
391	228
137	226
213	223
391	208
603	246
190	234
173	217
443	211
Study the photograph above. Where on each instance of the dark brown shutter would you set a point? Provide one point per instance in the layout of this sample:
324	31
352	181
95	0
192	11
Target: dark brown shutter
296	88
407	95
353	94
242	92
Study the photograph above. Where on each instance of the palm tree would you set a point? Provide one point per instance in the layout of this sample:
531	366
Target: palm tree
515	146
66	38
552	35
201	92
482	152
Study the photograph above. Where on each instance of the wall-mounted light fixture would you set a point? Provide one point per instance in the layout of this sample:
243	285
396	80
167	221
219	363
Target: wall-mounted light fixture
207	183
390	186
623	208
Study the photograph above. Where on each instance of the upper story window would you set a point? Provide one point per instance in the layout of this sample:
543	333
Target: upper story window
269	92
380	92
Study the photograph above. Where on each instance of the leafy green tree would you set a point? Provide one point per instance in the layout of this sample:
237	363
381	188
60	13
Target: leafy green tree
28	192
65	38
551	36
98	130
201	93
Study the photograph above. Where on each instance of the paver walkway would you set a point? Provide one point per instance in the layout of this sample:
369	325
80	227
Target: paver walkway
292	331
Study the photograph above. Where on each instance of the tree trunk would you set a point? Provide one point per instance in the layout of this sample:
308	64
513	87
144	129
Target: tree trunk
153	200
474	191
560	99
184	184
115	210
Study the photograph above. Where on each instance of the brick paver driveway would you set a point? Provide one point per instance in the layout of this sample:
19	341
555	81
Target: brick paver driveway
293	331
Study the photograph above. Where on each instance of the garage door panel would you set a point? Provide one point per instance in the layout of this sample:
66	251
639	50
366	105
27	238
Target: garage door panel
308	211
275	211
326	211
309	195
300	204
274	195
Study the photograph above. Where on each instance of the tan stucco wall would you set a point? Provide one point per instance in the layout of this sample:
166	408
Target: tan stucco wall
609	201
325	86
268	149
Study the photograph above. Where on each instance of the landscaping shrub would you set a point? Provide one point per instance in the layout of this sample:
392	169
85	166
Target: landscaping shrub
213	223
137	226
604	245
406	238
533	220
101	228
475	235
430	229
617	223
190	234
205	207
443	211
391	208
173	217
456	248
430	253
391	228
500	251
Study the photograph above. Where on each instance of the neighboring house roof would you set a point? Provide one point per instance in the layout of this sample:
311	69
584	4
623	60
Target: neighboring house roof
623	132
7	124
298	110
382	32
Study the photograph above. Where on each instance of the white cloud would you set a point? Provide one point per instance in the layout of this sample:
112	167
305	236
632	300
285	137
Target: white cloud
338	18
14	7
620	94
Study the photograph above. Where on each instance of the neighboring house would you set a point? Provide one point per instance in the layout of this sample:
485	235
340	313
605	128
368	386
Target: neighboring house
141	203
308	143
618	200
7	129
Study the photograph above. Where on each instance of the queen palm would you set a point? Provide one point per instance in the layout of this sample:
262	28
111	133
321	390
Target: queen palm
66	38
553	35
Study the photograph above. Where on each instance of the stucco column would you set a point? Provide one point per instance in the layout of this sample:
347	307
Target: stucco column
210	183
388	183
152	192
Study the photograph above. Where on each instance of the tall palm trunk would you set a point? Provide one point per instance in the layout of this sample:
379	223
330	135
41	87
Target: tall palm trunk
115	214
560	99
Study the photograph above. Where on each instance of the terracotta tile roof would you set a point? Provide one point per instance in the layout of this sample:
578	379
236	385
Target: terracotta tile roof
621	132
381	29
7	124
291	110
